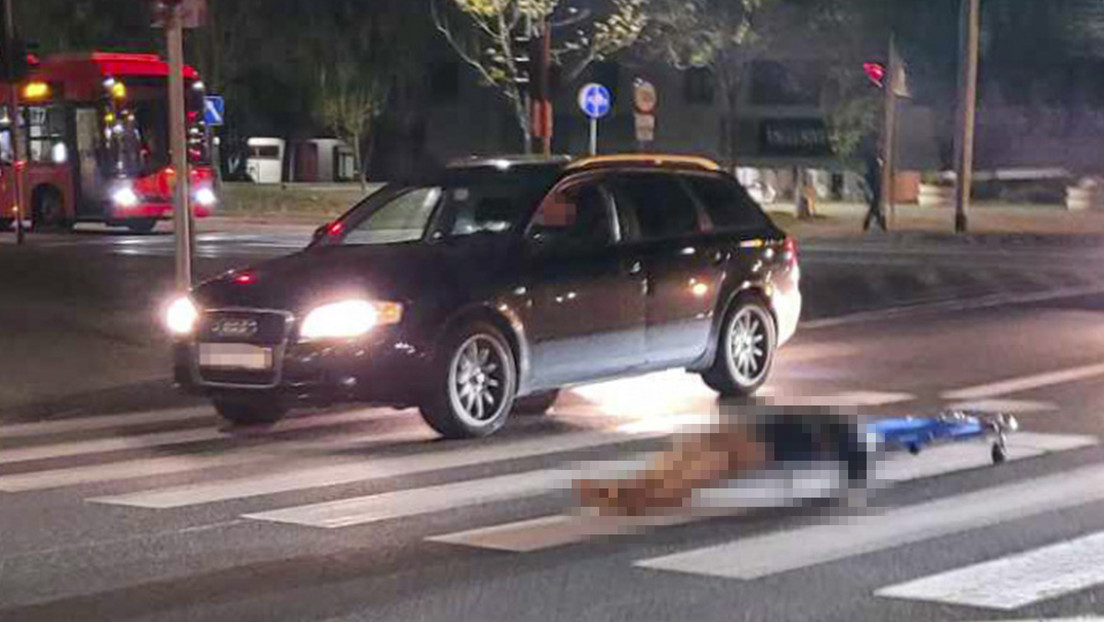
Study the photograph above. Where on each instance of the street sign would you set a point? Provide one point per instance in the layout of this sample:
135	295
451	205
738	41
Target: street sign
193	13
645	127
595	101
644	96
214	110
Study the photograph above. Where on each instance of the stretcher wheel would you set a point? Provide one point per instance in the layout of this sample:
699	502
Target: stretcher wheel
999	453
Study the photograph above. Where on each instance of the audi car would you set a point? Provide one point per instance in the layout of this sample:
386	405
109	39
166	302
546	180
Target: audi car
483	288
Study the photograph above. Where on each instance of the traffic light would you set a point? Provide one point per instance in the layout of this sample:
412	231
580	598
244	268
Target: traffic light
876	72
523	58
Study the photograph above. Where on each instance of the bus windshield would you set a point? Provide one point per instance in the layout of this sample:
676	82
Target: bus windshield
137	131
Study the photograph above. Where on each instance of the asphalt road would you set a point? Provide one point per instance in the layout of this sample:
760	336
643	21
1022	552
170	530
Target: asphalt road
119	502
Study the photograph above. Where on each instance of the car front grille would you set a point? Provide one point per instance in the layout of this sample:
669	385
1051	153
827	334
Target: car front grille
238	377
255	327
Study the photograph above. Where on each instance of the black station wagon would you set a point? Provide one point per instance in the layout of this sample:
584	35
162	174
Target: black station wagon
484	288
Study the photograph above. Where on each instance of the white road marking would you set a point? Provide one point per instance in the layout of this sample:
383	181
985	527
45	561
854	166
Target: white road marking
146	467
367	471
774	553
176	437
43	428
1026	383
1014	581
984	302
550	531
848	398
413	502
1005	406
553	531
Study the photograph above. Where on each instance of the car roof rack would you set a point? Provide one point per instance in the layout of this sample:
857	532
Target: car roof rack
651	160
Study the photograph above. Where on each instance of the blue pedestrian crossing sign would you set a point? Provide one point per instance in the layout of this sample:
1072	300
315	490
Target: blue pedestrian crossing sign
595	101
214	109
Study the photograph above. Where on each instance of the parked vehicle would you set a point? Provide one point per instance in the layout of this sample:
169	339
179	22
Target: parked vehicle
488	286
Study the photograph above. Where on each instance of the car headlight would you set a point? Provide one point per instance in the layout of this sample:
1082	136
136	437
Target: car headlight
348	318
181	316
205	197
125	197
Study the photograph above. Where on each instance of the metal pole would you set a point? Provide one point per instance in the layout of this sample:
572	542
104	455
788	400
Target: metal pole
182	220
593	136
889	152
967	106
546	85
16	118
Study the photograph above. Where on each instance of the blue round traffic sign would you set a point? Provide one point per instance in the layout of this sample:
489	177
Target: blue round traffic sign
595	101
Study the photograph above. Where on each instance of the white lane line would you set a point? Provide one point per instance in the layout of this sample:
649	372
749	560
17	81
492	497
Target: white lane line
1026	383
408	503
43	428
774	553
168	465
1005	406
553	531
1014	581
367	471
177	437
984	302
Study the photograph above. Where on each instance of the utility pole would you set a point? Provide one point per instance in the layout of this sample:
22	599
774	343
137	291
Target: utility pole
967	108
15	69
182	216
889	146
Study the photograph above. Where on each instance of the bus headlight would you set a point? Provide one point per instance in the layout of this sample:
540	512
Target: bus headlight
348	318
205	197
125	197
181	316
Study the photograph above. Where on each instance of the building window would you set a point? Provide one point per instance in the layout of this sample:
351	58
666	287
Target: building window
698	86
445	82
789	84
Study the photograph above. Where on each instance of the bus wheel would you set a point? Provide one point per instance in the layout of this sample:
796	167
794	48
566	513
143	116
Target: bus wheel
48	211
144	225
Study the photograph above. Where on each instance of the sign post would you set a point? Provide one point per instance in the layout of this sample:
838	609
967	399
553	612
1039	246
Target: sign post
644	103
174	16
595	102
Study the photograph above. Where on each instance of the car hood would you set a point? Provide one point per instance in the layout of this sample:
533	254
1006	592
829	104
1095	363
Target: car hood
399	272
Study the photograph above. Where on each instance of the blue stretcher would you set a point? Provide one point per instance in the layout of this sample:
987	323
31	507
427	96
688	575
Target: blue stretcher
912	434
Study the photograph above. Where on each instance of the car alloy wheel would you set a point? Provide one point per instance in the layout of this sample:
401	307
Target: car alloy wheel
749	345
479	380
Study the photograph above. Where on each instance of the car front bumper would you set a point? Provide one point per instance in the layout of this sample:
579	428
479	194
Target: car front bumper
380	368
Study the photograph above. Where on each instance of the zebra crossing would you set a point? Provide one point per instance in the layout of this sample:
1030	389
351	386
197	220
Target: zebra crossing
122	451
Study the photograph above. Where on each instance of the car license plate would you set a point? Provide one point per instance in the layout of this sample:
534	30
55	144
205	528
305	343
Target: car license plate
235	356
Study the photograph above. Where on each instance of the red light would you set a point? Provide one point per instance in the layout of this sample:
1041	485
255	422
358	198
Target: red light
876	72
244	278
336	228
790	249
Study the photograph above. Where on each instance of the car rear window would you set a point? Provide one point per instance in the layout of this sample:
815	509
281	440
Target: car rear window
662	206
726	203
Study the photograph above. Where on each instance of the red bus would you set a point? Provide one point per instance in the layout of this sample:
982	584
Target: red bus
97	134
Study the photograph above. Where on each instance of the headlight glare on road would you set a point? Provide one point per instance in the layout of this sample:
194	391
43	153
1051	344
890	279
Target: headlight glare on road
125	197
205	197
181	316
348	318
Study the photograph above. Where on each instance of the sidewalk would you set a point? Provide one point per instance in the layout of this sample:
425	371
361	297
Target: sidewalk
834	220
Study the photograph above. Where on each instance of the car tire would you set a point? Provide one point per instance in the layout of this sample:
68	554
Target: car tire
537	403
472	383
745	350
250	410
144	225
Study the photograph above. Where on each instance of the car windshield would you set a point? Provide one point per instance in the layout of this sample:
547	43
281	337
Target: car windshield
457	204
